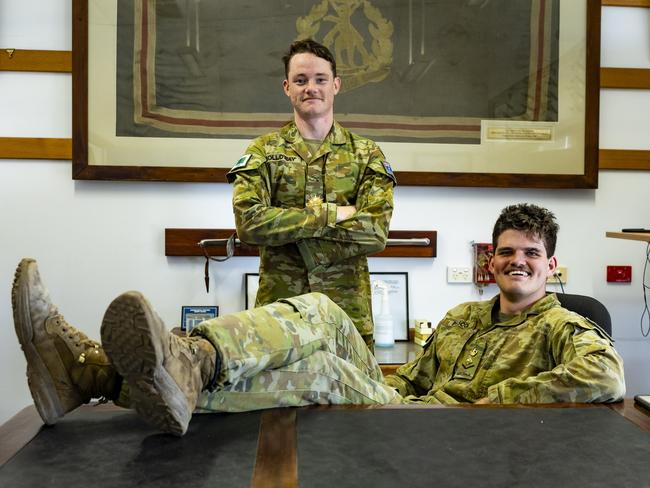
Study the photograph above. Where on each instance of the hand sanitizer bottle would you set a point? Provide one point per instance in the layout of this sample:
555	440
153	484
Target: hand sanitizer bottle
384	336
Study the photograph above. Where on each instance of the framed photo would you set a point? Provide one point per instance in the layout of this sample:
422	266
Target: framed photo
191	316
251	284
398	296
174	91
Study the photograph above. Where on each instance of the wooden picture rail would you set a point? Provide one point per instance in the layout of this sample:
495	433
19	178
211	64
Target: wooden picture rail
32	60
184	242
35	147
61	61
624	78
625	3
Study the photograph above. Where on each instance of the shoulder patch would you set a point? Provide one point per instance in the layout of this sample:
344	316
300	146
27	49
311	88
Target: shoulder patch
241	162
388	168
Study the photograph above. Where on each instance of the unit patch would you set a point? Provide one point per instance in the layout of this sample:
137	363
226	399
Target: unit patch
388	168
241	162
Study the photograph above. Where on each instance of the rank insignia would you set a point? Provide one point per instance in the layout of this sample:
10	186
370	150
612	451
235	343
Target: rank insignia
315	202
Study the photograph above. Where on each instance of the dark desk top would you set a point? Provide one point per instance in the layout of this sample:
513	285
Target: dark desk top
480	445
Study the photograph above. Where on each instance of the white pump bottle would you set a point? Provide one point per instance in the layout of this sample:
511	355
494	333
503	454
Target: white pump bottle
384	336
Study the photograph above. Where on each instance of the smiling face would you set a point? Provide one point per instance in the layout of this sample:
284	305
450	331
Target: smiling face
520	267
311	86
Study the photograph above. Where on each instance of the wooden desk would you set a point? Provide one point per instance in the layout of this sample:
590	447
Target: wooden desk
633	236
276	461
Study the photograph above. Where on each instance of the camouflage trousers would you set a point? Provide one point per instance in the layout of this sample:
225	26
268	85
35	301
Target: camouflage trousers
297	351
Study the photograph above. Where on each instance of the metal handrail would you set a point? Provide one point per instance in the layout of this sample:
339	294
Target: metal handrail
411	241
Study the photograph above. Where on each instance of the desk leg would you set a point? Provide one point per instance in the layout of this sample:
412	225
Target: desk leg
276	464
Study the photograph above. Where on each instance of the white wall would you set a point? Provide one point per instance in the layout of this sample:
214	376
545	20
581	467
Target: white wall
94	240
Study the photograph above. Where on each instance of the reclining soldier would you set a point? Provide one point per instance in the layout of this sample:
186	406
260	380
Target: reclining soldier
519	347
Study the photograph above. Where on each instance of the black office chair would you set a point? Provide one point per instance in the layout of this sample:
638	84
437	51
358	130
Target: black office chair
587	307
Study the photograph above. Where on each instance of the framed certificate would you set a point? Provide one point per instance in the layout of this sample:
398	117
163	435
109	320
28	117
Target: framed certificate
191	316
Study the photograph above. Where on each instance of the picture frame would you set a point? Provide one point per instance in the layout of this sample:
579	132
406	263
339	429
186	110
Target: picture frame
193	315
251	284
398	296
512	153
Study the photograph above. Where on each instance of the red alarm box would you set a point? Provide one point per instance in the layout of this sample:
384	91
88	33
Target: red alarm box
619	274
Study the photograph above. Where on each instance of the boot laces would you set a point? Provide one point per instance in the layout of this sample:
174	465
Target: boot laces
74	337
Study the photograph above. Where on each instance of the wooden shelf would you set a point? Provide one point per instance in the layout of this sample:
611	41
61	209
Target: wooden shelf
184	242
633	236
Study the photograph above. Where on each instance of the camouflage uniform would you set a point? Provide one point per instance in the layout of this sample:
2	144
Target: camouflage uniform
285	200
298	351
305	350
545	354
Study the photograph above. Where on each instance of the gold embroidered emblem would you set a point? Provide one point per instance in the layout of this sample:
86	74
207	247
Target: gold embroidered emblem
315	202
355	63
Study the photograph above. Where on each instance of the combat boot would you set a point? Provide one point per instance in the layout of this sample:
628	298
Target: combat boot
165	373
64	367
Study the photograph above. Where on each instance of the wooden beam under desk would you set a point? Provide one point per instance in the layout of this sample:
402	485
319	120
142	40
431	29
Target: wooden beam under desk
184	242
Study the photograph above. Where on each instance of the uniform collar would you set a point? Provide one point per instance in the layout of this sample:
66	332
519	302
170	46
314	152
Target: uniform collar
336	135
484	310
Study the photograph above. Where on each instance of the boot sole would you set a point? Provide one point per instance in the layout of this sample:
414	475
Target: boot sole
42	385
132	336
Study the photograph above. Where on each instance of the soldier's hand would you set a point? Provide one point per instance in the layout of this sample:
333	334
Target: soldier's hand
345	212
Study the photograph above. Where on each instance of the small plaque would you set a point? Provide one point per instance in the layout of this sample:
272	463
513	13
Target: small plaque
508	133
191	316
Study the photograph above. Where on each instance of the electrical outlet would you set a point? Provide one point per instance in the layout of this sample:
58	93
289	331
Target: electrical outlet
562	272
459	274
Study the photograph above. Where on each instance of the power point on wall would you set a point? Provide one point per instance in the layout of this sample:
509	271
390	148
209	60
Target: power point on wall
459	274
561	276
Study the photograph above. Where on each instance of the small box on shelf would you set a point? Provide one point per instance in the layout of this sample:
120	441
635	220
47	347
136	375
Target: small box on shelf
422	331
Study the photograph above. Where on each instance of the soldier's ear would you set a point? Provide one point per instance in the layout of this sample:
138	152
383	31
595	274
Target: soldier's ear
285	87
337	84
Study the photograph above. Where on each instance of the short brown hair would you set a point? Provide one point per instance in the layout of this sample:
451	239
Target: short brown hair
528	218
308	46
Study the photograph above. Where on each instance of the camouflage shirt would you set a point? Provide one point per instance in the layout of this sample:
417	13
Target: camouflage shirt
285	200
545	354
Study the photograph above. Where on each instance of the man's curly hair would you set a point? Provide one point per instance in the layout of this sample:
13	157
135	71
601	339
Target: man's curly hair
533	220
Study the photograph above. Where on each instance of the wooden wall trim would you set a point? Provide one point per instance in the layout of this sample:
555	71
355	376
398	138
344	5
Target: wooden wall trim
35	148
624	159
638	78
625	3
34	60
